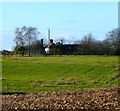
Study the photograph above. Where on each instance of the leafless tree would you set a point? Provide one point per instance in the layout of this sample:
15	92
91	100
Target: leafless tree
114	39
25	36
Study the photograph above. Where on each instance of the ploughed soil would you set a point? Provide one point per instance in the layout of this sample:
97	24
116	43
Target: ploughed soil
105	98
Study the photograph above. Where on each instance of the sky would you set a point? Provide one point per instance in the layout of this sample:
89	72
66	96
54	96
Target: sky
69	20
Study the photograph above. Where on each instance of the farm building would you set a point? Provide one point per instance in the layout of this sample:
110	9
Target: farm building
61	49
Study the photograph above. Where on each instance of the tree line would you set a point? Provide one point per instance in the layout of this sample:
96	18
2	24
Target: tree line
26	41
109	46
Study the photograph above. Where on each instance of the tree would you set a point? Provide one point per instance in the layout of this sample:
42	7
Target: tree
88	43
114	39
31	36
106	46
25	36
20	39
60	40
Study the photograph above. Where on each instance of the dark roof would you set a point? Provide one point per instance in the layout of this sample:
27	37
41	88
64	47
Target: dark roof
49	45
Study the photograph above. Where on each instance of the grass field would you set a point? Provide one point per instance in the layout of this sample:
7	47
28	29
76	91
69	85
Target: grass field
56	73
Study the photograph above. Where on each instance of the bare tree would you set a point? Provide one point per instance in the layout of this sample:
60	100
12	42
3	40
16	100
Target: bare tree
60	40
114	39
20	39
25	36
88	43
31	36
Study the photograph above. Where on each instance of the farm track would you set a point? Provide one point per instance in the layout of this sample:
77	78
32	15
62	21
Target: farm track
105	98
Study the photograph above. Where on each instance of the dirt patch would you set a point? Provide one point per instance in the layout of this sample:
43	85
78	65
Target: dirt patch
107	98
63	81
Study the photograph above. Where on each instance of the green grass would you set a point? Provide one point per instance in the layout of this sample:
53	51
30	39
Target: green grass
56	73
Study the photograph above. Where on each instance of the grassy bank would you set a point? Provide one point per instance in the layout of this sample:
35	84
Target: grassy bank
55	73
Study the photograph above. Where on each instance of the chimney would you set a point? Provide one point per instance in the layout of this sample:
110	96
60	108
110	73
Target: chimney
42	41
48	35
51	41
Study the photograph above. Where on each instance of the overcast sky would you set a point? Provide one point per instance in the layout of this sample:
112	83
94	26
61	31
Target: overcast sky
69	20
